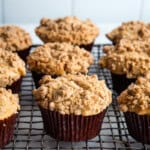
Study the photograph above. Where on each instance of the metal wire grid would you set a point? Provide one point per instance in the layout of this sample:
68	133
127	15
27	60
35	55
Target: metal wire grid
29	133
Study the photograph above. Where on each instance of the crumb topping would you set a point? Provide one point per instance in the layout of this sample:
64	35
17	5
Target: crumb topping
14	38
127	57
73	94
67	29
133	30
59	59
136	98
12	68
9	103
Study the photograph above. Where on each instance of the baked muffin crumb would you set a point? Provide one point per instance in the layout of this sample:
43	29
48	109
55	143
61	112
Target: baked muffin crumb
131	58
73	94
136	98
12	68
59	59
9	103
132	30
68	29
14	38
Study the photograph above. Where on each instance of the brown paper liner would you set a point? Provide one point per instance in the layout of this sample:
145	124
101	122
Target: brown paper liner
138	126
6	130
120	82
24	53
16	86
71	127
87	47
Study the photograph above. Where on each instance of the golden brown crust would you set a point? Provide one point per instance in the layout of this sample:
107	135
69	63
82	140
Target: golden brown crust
12	68
127	57
59	59
9	103
67	29
14	38
136	98
73	94
133	30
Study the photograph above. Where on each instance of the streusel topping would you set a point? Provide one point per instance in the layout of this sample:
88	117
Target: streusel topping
9	103
14	38
12	68
133	30
73	94
59	59
127	57
67	29
136	98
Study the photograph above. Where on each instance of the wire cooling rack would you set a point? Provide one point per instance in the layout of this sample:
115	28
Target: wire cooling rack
29	133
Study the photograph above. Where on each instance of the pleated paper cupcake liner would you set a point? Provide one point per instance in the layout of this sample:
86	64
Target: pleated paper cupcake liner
138	126
6	130
71	127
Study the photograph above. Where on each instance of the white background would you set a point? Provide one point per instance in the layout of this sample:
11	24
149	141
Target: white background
107	14
100	11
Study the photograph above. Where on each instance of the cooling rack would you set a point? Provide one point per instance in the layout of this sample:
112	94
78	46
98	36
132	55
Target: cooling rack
29	133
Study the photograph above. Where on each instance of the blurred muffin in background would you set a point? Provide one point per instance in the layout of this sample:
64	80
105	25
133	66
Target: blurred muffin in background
72	106
57	59
15	39
126	60
133	30
9	107
12	69
68	29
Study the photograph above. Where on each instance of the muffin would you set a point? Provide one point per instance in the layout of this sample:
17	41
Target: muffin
72	106
9	106
15	39
135	104
68	29
126	60
12	69
57	59
132	30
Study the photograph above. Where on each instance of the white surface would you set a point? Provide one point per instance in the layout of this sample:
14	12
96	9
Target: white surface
100	11
31	11
146	10
101	39
107	10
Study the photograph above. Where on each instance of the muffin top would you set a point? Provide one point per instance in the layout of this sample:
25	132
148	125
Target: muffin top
9	103
73	94
12	68
131	58
67	29
136	98
13	38
133	30
59	59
